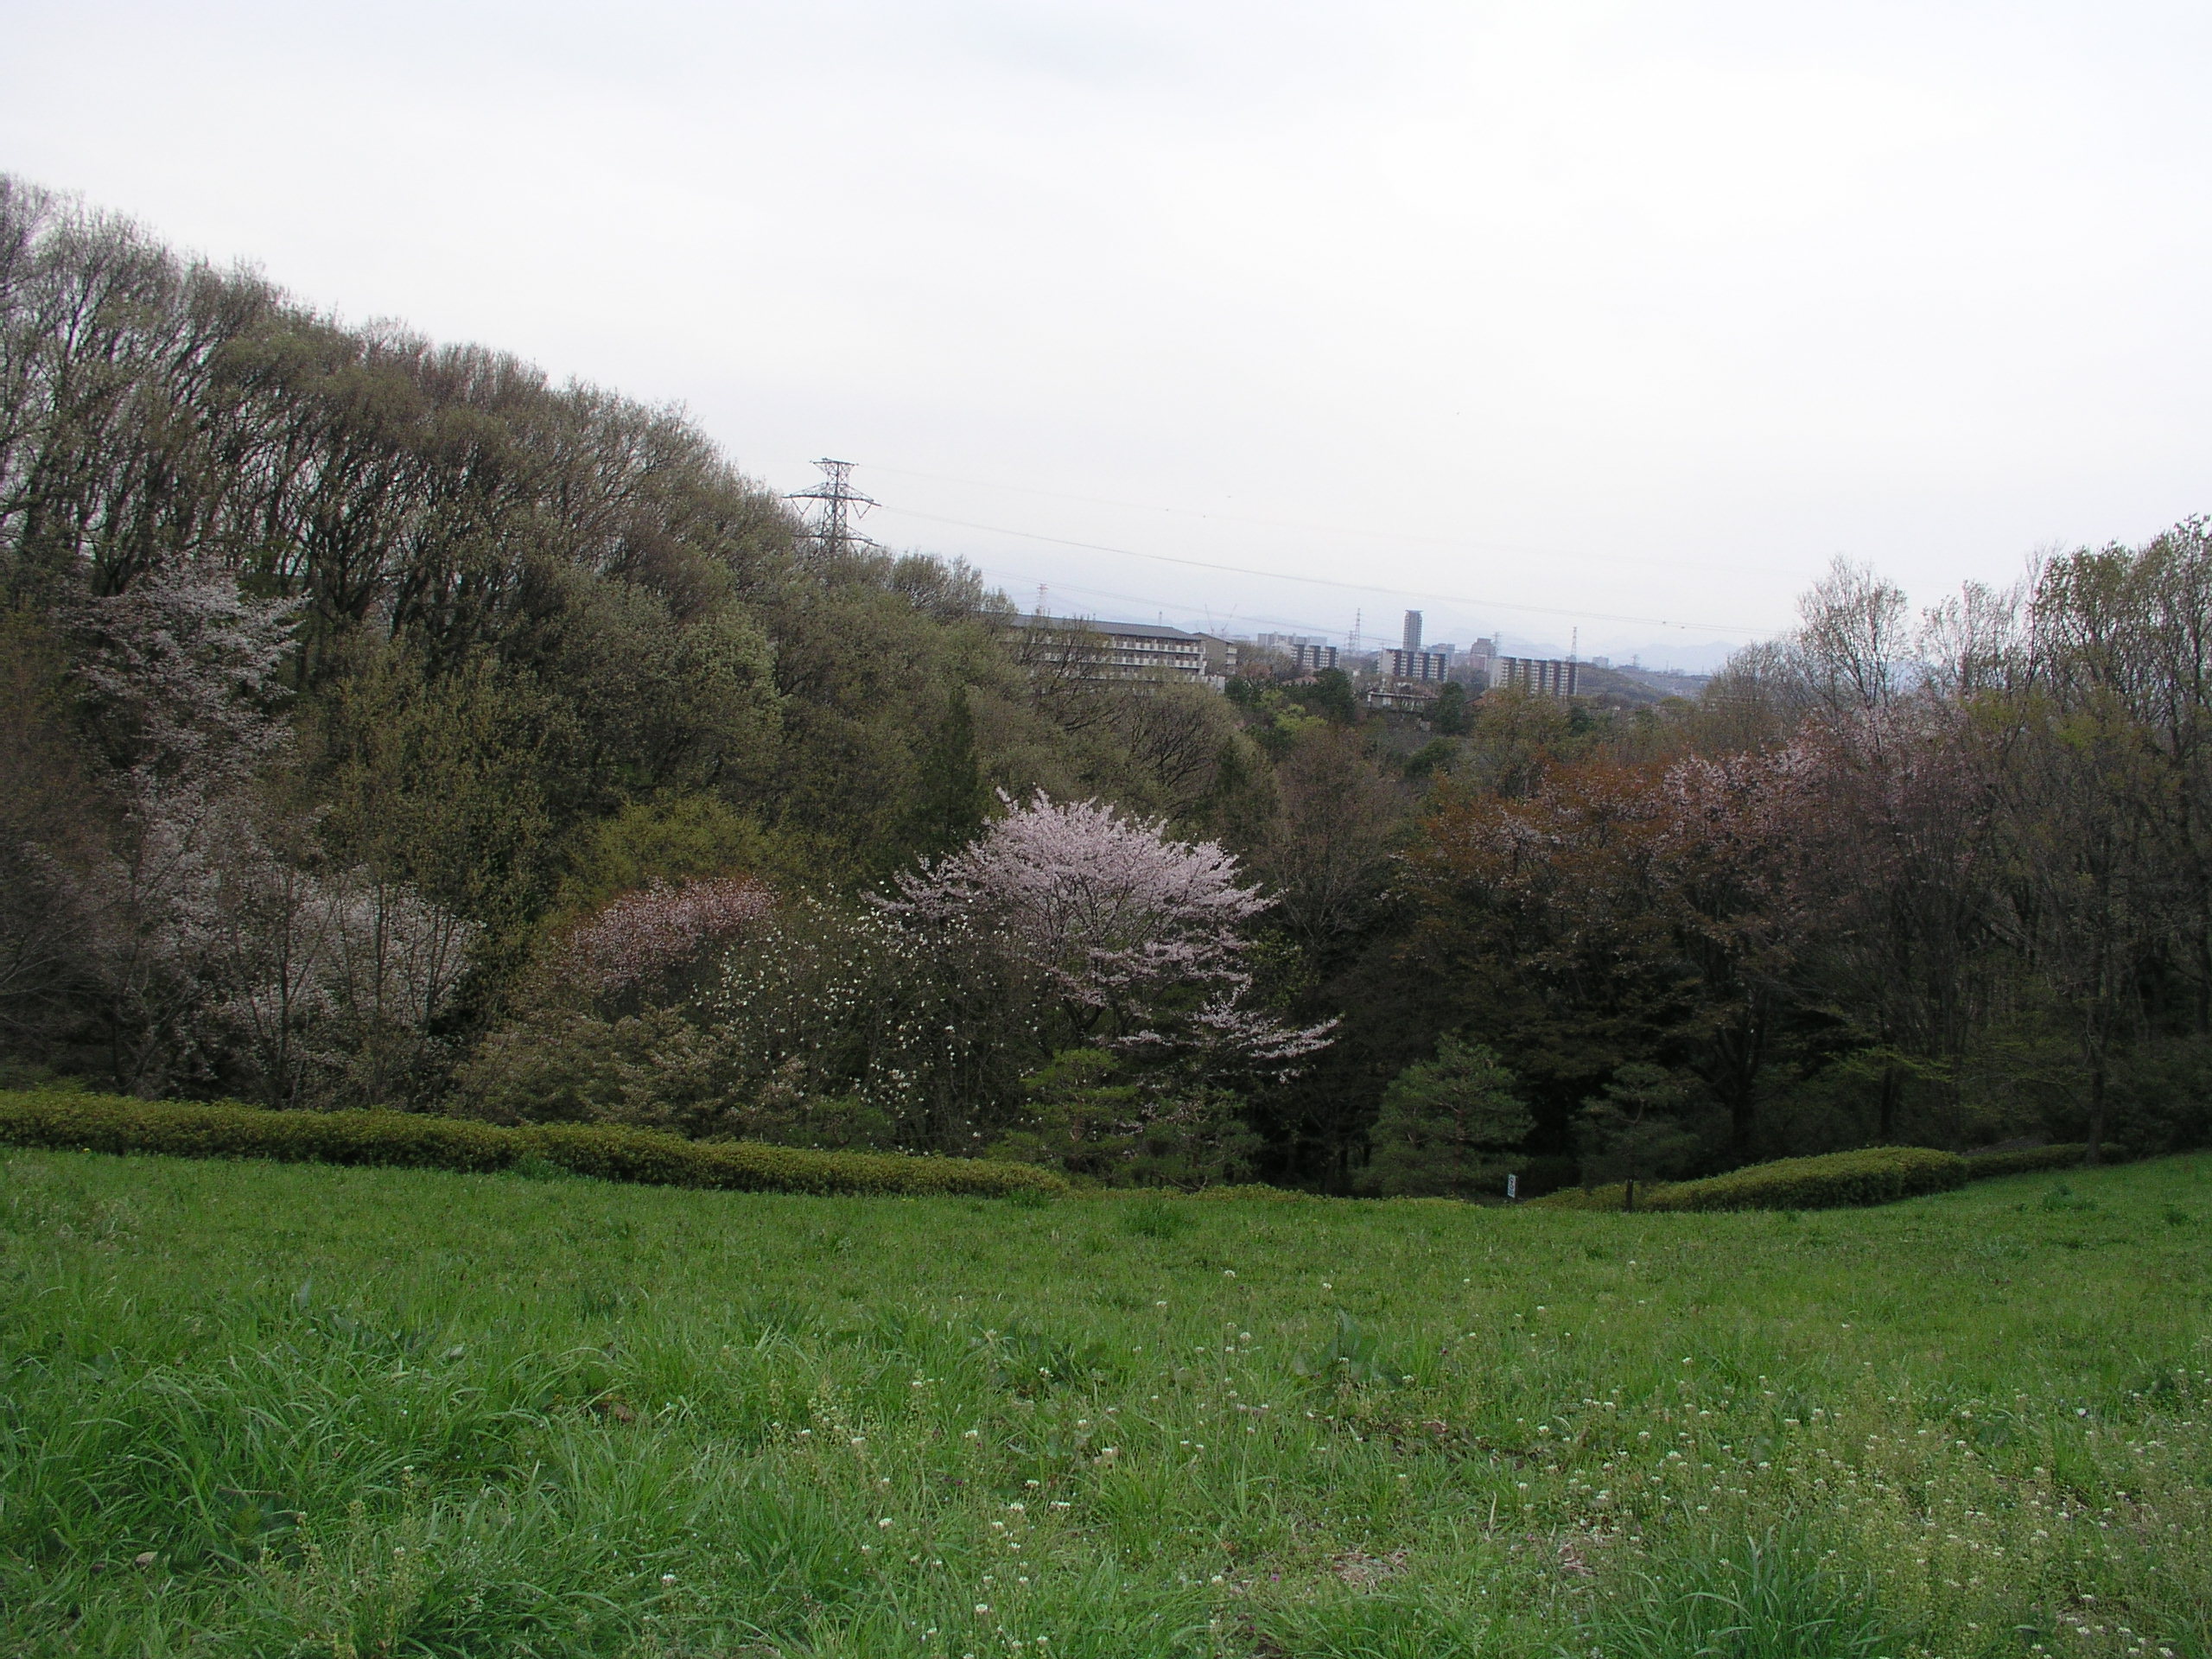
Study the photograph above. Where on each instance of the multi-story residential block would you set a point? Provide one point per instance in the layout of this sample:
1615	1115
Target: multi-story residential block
1546	675
1420	667
1311	659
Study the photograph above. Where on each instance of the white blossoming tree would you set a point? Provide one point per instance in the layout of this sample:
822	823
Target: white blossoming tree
646	936
221	946
1139	940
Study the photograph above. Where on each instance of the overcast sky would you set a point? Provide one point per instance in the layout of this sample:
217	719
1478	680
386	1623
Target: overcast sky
1541	316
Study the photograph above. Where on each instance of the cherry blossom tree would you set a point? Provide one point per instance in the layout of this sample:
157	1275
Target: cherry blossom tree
1140	939
180	674
644	935
224	947
322	986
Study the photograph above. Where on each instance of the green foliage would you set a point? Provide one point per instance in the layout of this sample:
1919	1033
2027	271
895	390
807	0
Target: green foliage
1239	806
2026	1160
1514	737
1837	1179
1351	1358
609	1152
674	838
950	797
1330	697
655	1069
1630	1132
445	784
1453	714
1081	1118
1194	1137
1833	1181
1433	757
1444	1125
1773	1597
1255	1192
1088	1116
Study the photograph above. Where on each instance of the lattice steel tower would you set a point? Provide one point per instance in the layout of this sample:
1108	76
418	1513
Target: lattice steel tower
842	506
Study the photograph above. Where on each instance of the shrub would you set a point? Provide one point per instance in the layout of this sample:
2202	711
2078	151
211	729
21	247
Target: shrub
1833	1181
654	1070
2025	1160
614	1153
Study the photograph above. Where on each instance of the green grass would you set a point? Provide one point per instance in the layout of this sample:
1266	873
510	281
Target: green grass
263	1409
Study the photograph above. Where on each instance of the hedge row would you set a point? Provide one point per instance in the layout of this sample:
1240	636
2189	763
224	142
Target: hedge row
414	1140
1835	1181
1981	1166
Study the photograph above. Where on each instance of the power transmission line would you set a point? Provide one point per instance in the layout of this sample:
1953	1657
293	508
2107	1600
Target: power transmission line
1328	582
1369	533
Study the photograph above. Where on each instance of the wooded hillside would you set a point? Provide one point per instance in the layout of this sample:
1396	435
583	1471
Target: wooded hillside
381	723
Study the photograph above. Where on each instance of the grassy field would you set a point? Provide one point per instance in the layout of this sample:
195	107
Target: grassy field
264	1410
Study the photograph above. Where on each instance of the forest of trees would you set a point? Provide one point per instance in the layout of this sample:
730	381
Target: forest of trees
383	725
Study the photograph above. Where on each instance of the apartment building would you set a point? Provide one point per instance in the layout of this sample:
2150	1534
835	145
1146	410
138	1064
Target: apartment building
1411	664
1546	675
1080	648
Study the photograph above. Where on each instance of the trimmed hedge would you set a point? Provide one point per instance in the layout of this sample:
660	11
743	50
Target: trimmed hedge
416	1140
2025	1161
1835	1181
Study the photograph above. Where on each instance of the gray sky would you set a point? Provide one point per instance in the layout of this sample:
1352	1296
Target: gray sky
1604	311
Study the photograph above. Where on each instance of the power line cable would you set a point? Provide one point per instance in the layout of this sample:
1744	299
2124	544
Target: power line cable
1461	543
1328	582
1299	625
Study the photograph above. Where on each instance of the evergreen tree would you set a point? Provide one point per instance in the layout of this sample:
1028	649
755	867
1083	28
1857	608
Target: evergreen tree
1453	717
952	800
1628	1134
1330	696
1444	1125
